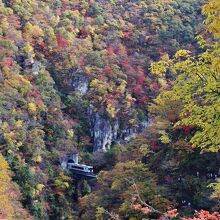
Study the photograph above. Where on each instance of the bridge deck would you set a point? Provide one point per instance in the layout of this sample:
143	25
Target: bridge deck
80	173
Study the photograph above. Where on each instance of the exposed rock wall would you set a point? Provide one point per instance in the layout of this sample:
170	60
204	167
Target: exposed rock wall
80	84
101	131
1	77
105	132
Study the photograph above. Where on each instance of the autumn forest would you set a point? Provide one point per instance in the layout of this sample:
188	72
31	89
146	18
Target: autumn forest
109	109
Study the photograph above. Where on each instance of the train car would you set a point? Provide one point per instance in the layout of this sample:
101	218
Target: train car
80	167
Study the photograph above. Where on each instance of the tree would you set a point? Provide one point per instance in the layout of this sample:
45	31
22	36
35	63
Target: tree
10	206
116	194
196	87
194	99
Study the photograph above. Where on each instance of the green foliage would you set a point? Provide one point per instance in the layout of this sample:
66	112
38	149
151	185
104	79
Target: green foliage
45	45
115	190
10	206
197	90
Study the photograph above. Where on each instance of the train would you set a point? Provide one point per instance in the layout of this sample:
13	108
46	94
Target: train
79	167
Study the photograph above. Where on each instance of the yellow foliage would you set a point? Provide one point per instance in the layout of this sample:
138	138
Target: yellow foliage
28	49
18	124
159	67
132	121
70	133
33	169
38	159
211	10
122	87
182	53
32	108
163	83
99	86
94	83
111	110
90	29
9	138
54	20
100	211
33	31
129	100
66	184
40	187
4	24
19	144
164	137
5	206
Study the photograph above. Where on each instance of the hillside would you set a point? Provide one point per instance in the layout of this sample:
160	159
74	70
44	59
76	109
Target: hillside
129	86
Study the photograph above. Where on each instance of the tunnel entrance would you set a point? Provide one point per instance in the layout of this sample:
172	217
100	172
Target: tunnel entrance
70	161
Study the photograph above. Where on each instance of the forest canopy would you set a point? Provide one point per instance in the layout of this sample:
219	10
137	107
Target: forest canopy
129	87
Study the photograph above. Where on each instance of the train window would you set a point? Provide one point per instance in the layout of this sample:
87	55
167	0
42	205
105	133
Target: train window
77	167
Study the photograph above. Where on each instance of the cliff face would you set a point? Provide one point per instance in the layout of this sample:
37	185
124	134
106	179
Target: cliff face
102	131
80	84
1	77
105	132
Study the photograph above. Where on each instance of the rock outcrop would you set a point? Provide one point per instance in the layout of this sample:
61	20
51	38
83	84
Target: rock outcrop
80	84
101	131
1	77
105	132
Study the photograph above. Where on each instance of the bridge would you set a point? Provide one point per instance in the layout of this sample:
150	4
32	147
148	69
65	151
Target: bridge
82	175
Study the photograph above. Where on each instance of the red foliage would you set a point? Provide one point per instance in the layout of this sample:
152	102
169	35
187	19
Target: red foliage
81	61
186	129
59	114
41	45
140	76
48	52
144	99
108	70
67	124
138	90
86	140
172	213
125	63
8	61
137	206
126	34
14	22
30	77
141	101
36	94
65	5
155	86
110	50
47	206
168	179
204	215
154	145
146	210
140	79
201	215
62	42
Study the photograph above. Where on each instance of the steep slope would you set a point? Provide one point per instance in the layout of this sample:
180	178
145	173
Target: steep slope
74	76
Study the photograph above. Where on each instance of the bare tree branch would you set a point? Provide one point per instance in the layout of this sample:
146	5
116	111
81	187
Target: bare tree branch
112	215
142	202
